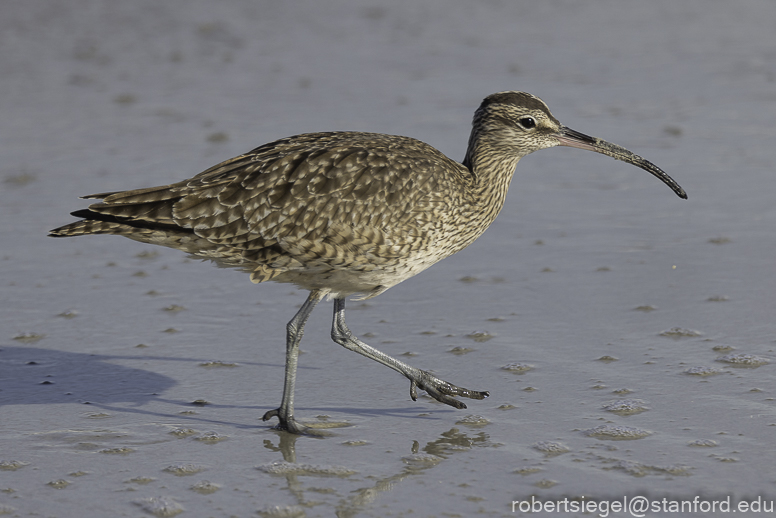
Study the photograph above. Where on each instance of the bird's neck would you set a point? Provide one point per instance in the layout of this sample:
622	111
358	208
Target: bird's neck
492	166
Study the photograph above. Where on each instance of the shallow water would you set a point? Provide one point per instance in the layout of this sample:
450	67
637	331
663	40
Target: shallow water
626	336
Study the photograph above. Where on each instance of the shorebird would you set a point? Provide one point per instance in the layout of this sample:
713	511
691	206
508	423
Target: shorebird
345	214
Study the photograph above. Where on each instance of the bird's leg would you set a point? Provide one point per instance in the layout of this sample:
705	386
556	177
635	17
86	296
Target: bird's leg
294	332
439	389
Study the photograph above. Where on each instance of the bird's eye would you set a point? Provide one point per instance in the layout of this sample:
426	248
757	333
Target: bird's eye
527	122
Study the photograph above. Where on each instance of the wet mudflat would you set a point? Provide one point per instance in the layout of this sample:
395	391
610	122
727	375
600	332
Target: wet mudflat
626	336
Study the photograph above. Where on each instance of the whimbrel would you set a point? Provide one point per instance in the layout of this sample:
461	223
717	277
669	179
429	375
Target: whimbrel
343	214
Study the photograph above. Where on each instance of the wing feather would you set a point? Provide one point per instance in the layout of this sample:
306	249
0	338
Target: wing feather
333	199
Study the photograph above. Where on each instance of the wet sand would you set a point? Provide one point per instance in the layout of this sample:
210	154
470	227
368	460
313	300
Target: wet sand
626	336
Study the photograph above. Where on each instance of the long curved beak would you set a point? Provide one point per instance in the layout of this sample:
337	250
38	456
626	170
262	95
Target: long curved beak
569	137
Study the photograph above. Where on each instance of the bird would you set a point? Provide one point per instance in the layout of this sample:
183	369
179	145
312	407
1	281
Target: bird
345	215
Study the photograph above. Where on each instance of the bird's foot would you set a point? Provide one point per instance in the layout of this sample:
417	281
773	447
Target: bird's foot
442	391
287	422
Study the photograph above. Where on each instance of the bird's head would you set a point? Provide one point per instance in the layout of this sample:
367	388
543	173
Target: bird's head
515	124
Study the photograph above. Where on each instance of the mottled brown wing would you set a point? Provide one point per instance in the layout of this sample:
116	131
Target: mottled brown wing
332	199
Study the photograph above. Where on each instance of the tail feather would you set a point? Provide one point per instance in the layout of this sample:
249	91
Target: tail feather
86	226
146	211
99	196
126	212
100	223
163	193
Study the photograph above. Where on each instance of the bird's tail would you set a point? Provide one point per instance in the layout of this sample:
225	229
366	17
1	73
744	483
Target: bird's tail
86	226
137	212
98	223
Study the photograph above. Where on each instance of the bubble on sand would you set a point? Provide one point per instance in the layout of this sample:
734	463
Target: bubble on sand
703	443
117	451
479	336
530	470
182	432
140	480
616	432
11	465
517	367
703	371
162	506
97	415
183	470
211	437
680	332
551	447
626	406
59	483
744	360
205	487
638	469
29	338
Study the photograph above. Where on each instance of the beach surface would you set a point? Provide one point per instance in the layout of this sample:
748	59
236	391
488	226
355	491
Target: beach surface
626	336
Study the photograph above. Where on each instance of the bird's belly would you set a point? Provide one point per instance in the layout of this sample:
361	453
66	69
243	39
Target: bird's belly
366	281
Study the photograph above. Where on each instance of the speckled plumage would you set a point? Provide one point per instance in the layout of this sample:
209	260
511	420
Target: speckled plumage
344	213
352	212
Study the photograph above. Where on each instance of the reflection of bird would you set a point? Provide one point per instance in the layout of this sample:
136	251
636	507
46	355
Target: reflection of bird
344	214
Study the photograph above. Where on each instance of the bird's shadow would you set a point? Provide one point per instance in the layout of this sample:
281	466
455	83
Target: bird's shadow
34	376
38	376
